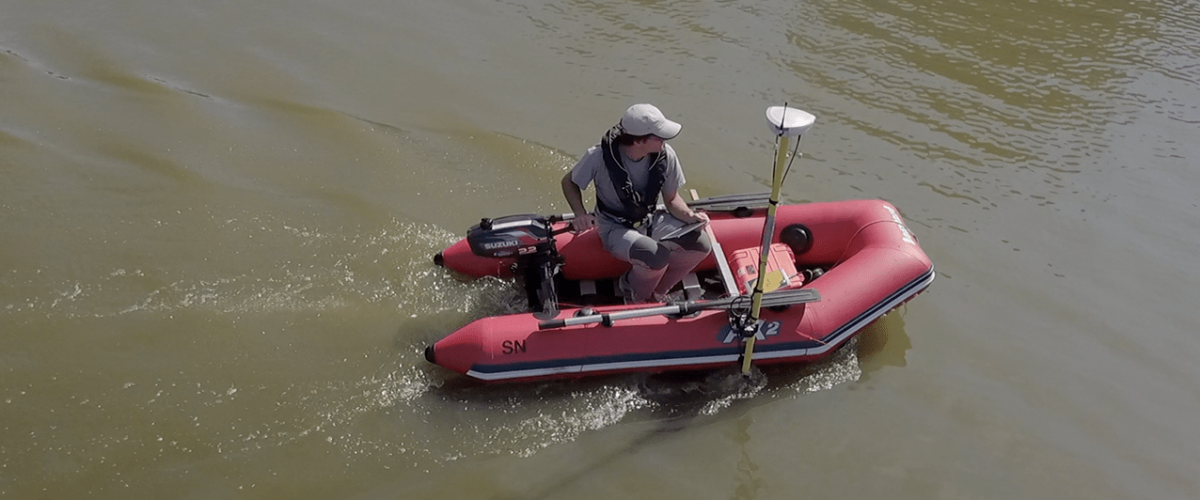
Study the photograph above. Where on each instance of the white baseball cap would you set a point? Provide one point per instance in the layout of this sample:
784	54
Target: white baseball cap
645	119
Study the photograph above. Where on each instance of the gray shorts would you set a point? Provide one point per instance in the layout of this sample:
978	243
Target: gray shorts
642	245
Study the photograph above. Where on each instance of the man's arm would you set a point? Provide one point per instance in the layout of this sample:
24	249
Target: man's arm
583	220
680	210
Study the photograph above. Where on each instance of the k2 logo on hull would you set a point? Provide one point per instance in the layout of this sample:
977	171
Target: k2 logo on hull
765	329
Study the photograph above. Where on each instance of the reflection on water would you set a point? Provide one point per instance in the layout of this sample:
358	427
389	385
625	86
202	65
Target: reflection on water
883	343
747	478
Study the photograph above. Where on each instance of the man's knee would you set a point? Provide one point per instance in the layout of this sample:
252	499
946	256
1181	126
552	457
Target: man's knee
695	241
655	257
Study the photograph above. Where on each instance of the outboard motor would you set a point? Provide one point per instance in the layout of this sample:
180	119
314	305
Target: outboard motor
530	240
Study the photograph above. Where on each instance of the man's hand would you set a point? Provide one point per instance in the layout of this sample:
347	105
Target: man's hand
681	211
583	222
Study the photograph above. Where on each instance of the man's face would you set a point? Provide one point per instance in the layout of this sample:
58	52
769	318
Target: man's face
653	144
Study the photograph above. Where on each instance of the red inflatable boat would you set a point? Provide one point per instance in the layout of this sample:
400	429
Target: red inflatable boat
835	267
829	269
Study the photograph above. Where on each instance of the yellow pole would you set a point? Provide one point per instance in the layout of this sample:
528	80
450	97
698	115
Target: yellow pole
764	254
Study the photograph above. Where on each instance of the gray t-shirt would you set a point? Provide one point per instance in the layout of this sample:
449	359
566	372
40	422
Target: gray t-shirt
590	168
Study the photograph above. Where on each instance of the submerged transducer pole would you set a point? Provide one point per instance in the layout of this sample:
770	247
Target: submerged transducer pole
786	123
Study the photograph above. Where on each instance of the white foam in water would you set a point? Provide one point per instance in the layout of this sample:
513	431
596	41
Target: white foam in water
840	368
442	425
322	272
583	412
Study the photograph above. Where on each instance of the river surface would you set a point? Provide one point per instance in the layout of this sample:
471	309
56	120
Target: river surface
217	222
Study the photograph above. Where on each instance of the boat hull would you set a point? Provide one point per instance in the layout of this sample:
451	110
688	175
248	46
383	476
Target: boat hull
872	264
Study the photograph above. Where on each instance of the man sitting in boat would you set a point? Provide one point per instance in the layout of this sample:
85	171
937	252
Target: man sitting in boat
631	167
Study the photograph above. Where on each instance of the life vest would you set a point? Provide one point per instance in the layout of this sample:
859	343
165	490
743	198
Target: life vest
635	206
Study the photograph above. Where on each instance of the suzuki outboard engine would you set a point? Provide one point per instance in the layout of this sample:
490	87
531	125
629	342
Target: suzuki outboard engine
530	240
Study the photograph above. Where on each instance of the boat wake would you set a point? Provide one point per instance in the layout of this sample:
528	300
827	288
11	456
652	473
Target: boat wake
522	419
708	393
402	411
319	271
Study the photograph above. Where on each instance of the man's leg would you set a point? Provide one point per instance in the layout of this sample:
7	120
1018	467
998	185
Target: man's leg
649	260
686	252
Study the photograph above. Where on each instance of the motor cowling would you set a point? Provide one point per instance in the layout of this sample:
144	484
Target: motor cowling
529	240
509	236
